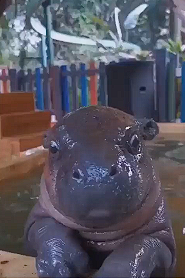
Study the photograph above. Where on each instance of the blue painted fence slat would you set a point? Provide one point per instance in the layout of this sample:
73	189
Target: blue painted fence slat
183	94
39	91
84	86
65	90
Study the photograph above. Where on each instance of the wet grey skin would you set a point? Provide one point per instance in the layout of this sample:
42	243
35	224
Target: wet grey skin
101	207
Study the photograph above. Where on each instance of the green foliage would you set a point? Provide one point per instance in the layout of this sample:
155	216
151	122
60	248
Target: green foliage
176	48
95	19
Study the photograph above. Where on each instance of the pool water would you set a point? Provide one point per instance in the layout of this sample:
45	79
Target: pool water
16	200
18	197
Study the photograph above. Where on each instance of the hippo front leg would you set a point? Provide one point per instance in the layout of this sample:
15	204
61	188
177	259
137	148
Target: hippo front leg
59	253
141	257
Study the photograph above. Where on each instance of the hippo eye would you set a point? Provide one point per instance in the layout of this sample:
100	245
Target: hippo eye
113	171
53	147
134	144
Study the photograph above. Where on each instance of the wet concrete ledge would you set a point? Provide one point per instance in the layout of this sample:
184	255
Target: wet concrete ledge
23	166
171	131
16	266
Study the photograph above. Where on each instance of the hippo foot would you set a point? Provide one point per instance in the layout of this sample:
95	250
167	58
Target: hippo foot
141	257
59	253
52	262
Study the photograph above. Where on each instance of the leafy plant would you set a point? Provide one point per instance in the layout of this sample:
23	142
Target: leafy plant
175	47
178	49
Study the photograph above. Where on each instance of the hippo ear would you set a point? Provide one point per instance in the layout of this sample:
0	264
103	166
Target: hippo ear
149	129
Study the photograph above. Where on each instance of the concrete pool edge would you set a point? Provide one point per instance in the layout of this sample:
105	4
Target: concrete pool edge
22	166
169	132
17	266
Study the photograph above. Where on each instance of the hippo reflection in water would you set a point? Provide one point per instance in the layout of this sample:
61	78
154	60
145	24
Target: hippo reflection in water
101	205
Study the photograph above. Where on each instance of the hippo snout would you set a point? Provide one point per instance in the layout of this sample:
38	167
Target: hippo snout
97	196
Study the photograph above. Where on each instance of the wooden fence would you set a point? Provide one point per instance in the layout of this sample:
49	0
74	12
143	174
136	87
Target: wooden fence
63	89
66	88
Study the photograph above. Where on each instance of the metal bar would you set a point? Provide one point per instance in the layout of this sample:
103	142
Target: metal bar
49	41
44	53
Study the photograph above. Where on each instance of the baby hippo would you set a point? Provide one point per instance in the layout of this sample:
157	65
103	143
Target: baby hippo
101	207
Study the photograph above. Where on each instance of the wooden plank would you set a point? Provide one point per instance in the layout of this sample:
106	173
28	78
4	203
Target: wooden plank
31	141
65	90
21	80
5	82
93	86
13	80
103	89
16	102
84	86
5	149
17	266
74	84
29	81
28	142
24	123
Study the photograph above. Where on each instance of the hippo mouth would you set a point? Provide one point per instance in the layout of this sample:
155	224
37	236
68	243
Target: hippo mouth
100	219
98	214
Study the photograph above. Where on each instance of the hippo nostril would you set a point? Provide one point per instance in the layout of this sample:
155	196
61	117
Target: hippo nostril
76	175
113	170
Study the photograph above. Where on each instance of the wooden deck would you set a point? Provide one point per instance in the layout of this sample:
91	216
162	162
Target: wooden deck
21	126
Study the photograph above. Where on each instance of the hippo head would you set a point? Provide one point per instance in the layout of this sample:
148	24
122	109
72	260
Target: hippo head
98	170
